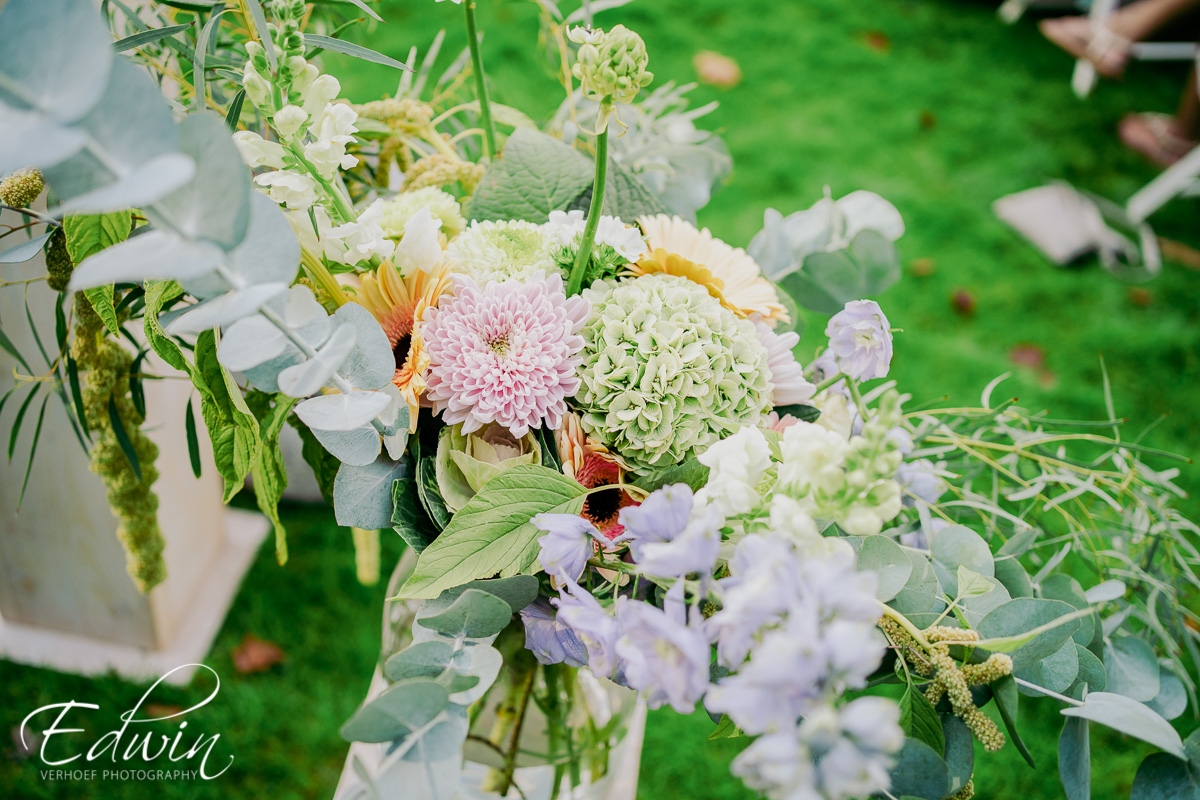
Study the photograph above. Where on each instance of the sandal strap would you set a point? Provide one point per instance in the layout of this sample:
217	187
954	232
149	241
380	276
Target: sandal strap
1160	128
1104	42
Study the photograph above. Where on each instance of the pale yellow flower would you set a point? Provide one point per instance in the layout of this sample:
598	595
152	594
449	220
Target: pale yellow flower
677	247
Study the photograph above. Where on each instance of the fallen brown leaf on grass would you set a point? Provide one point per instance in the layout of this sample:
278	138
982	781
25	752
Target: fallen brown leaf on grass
922	267
878	41
717	70
1140	297
1027	355
963	302
256	655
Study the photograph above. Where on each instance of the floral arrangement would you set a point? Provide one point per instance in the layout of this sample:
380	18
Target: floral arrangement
583	413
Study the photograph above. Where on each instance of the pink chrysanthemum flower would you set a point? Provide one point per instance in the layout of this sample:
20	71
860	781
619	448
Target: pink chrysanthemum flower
507	353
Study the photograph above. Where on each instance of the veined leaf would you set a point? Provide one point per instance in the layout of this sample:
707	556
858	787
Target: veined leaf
234	114
919	720
536	174
494	533
267	469
233	429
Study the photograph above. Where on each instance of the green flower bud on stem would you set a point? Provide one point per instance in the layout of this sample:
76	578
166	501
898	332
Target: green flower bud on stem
22	188
610	64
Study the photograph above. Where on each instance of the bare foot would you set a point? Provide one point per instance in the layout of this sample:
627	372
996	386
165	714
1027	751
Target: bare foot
1108	51
1155	136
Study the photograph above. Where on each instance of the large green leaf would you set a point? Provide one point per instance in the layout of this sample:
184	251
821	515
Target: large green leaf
158	293
919	720
494	533
535	174
829	280
625	196
267	469
88	234
231	426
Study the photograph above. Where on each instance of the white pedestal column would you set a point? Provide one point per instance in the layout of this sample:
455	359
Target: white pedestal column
66	600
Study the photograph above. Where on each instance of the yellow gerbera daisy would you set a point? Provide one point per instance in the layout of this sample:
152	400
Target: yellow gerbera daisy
677	247
399	303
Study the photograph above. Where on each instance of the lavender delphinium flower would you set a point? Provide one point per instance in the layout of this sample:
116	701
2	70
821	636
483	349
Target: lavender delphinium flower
566	545
661	655
591	624
919	477
834	754
550	641
861	340
669	536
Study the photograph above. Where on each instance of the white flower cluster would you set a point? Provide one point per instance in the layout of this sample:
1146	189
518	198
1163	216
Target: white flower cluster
314	132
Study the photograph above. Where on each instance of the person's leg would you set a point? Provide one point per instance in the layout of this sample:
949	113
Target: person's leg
1187	117
1138	20
1165	139
1108	47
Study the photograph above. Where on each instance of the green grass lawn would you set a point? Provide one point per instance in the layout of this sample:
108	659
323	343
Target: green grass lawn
933	104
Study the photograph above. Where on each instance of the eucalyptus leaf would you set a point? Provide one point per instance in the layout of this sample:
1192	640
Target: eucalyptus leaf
226	309
1091	670
309	376
1056	672
1129	717
1106	591
25	250
957	546
920	593
249	342
1063	587
369	364
358	447
1161	777
959	753
401	709
362	495
881	555
154	254
29	138
1074	760
342	412
420	660
828	280
1132	668
517	591
1029	628
474	614
61	58
1171	700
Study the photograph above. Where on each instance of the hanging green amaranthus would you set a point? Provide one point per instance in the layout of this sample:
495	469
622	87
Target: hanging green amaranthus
107	403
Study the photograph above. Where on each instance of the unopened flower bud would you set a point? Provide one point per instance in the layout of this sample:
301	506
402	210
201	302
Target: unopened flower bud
611	64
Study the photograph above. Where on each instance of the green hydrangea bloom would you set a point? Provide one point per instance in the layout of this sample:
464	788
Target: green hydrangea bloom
667	370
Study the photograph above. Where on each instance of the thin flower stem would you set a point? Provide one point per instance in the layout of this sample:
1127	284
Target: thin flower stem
909	628
825	384
485	109
575	284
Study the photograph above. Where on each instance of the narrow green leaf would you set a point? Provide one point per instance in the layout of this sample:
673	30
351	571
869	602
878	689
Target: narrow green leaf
77	395
37	434
201	54
60	325
147	37
37	337
136	392
726	729
123	437
430	494
16	428
801	412
351	49
193	438
234	114
11	349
